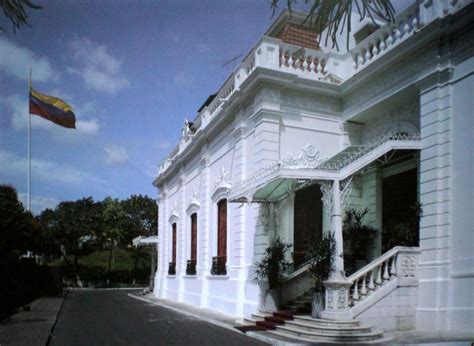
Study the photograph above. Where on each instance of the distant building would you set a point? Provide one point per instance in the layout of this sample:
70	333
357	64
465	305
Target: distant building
297	135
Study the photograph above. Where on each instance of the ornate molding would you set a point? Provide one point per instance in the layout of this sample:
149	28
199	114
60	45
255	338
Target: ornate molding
193	204
308	158
302	99
174	217
408	266
222	185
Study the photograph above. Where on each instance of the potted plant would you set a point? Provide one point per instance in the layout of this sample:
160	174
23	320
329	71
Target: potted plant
360	236
320	255
270	268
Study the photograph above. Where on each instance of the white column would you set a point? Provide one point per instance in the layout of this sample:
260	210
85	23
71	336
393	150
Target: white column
336	228
337	287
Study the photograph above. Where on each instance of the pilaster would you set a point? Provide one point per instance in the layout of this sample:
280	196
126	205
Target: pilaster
204	260
436	200
181	246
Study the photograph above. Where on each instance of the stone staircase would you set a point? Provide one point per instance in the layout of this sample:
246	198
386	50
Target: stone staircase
290	325
369	287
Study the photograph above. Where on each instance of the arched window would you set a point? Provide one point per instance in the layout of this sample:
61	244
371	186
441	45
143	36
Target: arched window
219	262
172	266
191	265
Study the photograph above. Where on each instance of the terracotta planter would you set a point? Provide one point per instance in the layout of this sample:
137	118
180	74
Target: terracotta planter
317	305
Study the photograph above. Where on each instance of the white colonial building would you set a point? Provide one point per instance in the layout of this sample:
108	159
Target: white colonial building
298	134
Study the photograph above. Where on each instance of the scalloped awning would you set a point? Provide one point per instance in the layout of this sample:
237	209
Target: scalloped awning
276	181
138	241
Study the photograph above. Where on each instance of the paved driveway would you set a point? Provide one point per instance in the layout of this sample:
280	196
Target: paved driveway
113	318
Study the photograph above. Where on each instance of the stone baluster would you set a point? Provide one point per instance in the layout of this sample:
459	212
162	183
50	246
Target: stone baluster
355	294
363	289
386	277
290	61
371	286
378	281
393	268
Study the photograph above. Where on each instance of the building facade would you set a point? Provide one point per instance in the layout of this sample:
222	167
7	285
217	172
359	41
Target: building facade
298	135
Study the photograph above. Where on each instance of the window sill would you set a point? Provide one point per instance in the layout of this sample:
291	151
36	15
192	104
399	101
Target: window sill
217	277
190	276
170	276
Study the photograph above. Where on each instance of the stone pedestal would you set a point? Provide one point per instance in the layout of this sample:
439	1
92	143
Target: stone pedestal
337	300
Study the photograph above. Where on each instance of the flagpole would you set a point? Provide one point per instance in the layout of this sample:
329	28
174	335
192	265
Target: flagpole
29	149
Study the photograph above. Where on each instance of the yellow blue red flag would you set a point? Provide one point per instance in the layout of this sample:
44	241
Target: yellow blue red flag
52	109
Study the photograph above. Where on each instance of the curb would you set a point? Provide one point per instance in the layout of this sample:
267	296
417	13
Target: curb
105	288
51	332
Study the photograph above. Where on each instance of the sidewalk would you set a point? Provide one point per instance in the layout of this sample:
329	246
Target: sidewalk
31	327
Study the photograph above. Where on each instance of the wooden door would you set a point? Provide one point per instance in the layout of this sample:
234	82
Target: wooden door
222	228
193	236
173	250
308	221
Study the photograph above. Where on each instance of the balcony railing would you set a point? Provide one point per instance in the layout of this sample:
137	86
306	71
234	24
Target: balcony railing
191	267
172	268
219	265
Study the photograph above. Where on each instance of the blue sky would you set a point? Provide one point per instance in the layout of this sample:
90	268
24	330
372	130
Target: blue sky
132	70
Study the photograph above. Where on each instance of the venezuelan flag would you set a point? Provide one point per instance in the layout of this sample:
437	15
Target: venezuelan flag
52	109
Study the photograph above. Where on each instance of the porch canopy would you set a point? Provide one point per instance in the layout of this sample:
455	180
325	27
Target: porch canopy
277	180
145	240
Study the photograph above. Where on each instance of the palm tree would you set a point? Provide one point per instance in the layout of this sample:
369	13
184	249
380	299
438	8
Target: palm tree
334	15
15	11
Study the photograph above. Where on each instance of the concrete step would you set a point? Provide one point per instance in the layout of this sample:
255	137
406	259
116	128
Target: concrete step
338	336
324	322
385	340
329	329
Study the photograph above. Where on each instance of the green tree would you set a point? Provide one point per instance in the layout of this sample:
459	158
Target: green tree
142	220
114	225
335	15
76	224
16	225
15	12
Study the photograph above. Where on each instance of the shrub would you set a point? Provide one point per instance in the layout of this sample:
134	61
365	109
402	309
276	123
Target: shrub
274	262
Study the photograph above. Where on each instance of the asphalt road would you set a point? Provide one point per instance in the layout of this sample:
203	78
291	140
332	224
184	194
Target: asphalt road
113	318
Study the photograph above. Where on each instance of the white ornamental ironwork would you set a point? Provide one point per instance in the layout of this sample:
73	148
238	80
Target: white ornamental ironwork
345	192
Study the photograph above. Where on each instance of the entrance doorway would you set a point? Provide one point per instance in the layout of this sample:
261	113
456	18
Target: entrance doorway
400	210
308	221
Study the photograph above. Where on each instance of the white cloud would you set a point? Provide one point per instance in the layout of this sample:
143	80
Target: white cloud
115	155
45	171
19	119
16	61
38	203
163	144
99	70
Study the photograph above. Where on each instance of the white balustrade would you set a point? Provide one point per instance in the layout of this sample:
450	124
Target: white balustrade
307	62
373	276
385	38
